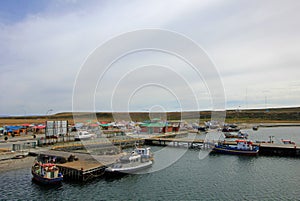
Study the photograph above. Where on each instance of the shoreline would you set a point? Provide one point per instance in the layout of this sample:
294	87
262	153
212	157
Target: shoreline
16	164
10	164
268	124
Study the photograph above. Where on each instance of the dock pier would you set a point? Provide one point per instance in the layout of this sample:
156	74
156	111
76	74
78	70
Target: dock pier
71	173
179	142
269	149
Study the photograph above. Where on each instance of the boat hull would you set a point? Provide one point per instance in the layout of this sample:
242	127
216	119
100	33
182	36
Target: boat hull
46	181
236	151
128	170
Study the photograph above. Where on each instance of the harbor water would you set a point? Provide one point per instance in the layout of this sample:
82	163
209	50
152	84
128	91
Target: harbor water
215	177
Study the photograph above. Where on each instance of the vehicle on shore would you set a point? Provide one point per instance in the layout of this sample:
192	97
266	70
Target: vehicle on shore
84	135
212	124
202	129
46	173
243	147
139	159
287	141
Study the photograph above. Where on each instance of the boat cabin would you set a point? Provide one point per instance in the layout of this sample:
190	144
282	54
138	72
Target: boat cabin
144	152
244	145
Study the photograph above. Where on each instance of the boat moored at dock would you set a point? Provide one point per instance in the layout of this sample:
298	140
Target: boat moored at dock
47	173
243	147
139	159
239	134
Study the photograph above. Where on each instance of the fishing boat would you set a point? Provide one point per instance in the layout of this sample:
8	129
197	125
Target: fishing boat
46	173
139	159
243	147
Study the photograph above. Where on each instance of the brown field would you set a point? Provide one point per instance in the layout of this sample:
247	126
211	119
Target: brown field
271	115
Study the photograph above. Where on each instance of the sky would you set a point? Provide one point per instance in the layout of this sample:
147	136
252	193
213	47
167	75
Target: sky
44	45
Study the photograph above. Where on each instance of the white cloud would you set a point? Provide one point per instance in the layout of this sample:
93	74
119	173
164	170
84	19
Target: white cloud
254	44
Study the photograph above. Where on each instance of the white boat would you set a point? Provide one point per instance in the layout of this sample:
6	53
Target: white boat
139	159
240	134
84	135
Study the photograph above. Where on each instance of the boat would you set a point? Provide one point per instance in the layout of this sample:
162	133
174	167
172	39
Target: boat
230	129
46	173
287	141
202	128
243	147
255	128
139	159
236	135
212	124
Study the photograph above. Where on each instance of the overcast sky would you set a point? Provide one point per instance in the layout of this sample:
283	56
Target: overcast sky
254	46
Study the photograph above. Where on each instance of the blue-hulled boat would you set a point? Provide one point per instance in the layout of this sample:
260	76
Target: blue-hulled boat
243	147
47	173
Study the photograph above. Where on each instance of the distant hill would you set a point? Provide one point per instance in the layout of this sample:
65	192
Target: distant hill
247	116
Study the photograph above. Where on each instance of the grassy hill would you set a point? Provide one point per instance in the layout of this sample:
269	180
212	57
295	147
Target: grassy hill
244	116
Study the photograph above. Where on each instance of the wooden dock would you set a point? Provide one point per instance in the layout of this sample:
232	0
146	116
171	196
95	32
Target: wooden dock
164	141
179	142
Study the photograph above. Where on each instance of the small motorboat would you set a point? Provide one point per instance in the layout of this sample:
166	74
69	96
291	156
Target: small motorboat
230	129
139	159
243	147
46	173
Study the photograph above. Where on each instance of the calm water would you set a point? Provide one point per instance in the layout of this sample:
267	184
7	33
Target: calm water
216	177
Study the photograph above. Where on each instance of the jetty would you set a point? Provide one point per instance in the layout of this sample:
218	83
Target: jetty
176	142
270	149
